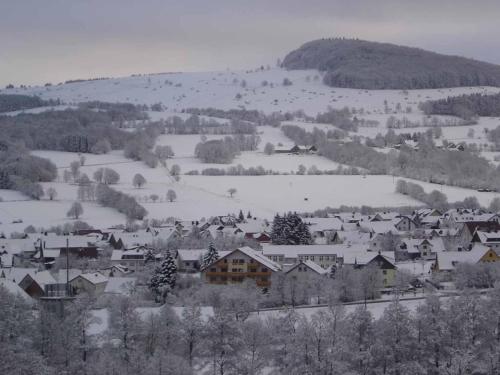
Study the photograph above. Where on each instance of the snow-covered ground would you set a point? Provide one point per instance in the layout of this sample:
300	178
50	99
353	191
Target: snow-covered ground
204	196
178	91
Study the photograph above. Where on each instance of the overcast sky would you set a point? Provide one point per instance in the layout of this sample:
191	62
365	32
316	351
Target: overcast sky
55	40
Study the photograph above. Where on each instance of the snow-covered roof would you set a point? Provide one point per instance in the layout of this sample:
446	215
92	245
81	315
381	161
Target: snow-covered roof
94	277
59	242
259	257
317	224
380	227
73	272
354	237
17	246
16	274
312	265
191	254
13	288
488	237
43	278
447	260
294	251
253	226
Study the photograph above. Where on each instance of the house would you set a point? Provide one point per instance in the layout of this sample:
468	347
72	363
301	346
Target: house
34	284
323	255
134	258
189	260
425	248
323	229
404	224
296	149
50	246
306	268
91	283
241	264
383	261
125	240
490	239
468	229
447	261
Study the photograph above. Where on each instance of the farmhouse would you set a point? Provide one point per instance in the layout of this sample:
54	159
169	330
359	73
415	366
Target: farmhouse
241	264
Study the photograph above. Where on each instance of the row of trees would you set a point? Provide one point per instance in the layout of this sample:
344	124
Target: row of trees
437	199
459	336
428	163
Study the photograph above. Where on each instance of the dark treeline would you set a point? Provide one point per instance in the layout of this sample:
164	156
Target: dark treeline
225	150
343	119
253	116
73	130
464	106
118	111
196	125
428	163
109	197
21	171
17	102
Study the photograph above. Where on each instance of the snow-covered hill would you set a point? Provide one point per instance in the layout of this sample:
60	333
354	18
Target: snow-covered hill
261	89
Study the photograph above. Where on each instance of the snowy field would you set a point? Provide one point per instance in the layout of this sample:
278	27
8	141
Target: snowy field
178	91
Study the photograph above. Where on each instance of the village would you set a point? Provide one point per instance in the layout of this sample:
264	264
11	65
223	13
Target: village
426	246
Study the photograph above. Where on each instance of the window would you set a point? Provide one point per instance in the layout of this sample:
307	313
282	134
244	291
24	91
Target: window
253	270
225	260
312	257
241	261
264	278
320	258
384	272
213	269
264	269
223	270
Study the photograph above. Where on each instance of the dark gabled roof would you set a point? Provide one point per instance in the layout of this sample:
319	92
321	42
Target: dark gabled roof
485	226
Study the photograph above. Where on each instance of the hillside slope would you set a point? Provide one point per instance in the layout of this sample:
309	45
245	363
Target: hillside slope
371	65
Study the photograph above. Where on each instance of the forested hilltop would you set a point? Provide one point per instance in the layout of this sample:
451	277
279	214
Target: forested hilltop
370	65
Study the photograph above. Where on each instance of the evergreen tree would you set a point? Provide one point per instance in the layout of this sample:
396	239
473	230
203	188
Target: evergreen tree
249	215
241	217
164	277
149	256
210	256
290	230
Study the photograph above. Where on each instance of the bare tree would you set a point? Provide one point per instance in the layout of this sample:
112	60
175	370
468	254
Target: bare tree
138	180
232	191
75	211
51	193
171	196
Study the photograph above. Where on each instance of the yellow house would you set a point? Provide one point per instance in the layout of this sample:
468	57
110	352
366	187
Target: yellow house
446	261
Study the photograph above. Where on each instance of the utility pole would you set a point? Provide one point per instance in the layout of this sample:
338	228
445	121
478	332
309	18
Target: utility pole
67	267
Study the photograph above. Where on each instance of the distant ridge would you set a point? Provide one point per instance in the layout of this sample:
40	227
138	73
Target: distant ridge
354	63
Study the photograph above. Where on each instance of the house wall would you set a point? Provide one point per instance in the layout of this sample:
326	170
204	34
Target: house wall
235	268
